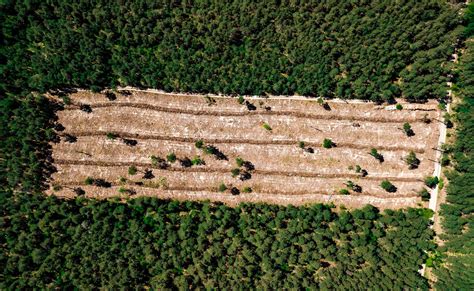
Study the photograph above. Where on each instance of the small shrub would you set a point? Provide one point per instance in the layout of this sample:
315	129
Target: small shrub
123	180
199	143
387	186
239	161
408	130
241	100
132	170
89	181
222	187
374	153
399	106
197	161
441	184
122	190
358	169
327	143
66	100
350	168
235	172
431	182
442	106
301	144
247	190
111	135
171	157
266	126
344	192
412	161
424	194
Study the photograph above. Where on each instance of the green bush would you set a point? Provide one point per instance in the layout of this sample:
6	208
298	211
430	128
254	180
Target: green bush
132	170
247	190
424	194
171	157
431	181
399	106
222	187
111	135
412	161
327	143
235	172
199	143
89	181
344	192
239	161
266	126
387	186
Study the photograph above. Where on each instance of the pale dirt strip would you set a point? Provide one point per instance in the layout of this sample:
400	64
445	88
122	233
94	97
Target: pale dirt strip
239	141
356	118
254	197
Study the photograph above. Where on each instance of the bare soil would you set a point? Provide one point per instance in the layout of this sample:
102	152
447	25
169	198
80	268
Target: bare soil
284	173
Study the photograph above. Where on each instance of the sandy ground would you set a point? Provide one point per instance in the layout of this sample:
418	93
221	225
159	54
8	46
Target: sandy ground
284	173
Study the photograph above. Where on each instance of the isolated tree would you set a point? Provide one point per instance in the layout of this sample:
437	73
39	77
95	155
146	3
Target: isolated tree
89	181
327	143
199	143
301	144
239	161
344	192
387	186
374	153
171	157
424	194
431	181
197	161
241	99
266	126
111	135
412	161
399	106
408	130
235	172
222	187
247	190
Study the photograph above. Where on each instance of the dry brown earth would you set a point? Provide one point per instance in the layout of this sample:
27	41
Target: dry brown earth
284	173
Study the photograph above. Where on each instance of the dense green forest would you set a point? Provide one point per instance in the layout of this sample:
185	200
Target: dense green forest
455	270
89	244
373	50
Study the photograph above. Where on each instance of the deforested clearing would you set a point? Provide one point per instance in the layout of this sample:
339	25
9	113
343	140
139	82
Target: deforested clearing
268	150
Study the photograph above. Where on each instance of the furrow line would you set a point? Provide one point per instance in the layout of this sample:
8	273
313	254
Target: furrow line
227	171
241	141
248	113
